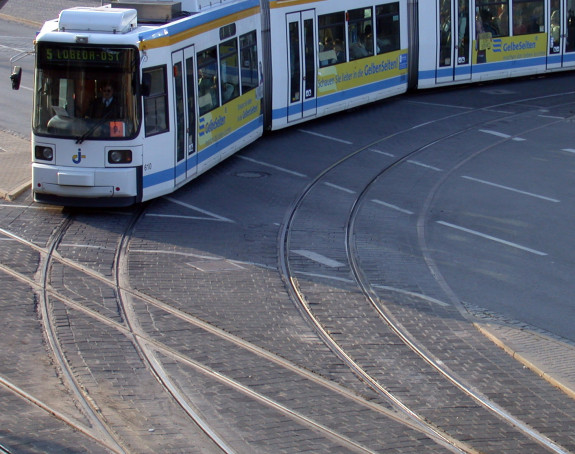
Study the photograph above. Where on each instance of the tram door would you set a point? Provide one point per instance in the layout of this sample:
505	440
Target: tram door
454	56
302	100
561	26
184	114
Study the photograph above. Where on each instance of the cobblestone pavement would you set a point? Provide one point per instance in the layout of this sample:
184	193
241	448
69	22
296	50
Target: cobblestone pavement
535	350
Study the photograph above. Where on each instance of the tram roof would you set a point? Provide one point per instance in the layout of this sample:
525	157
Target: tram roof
198	23
111	22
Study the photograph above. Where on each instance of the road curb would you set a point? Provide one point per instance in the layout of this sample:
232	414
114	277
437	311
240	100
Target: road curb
15	193
525	359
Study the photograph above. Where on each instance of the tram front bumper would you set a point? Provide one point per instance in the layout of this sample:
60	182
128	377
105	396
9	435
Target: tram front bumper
84	183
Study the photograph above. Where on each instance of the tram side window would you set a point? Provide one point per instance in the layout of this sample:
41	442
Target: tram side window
492	17
208	92
528	17
570	44
229	70
360	33
555	27
387	22
249	61
156	104
332	48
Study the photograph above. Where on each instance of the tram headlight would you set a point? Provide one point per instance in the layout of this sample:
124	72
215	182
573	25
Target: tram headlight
44	153
120	156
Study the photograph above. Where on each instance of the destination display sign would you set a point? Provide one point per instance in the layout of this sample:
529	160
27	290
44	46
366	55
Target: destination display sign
74	55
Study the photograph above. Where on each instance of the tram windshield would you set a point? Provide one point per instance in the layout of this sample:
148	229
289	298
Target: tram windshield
85	92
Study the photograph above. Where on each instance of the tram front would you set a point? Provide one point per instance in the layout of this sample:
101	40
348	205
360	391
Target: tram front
85	122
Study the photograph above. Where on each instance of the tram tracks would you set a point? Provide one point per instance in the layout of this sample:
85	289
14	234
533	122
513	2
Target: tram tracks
165	337
321	312
151	349
46	283
41	257
98	424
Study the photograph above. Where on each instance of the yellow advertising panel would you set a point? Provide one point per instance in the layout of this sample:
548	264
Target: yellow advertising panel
228	118
508	48
345	76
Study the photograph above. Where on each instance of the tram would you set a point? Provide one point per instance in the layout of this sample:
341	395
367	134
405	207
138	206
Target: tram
191	82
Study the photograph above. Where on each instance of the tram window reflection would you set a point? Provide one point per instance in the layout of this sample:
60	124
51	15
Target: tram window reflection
332	49
463	32
493	17
208	93
360	33
229	70
249	61
528	17
445	33
387	28
156	103
555	24
570	44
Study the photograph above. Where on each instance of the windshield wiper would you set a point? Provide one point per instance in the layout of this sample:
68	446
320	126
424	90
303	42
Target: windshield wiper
93	128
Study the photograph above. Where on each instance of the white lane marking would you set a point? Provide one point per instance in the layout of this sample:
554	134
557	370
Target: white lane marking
322	259
498	91
568	150
492	238
421	125
507	188
339	188
393	207
323	276
184	254
86	246
256	264
427	166
23	87
265	164
215	266
177	216
502	135
499	111
381	287
385	153
15	49
440	105
415	295
212	217
335	139
552	117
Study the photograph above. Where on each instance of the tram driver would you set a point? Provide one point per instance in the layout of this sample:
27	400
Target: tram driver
106	105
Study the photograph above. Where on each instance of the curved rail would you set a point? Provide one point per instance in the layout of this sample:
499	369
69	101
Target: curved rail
125	298
404	335
303	305
104	433
149	346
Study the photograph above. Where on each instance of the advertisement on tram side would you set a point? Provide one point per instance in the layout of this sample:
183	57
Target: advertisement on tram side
510	48
356	73
228	118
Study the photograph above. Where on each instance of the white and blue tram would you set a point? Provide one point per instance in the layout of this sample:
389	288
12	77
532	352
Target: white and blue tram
194	81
